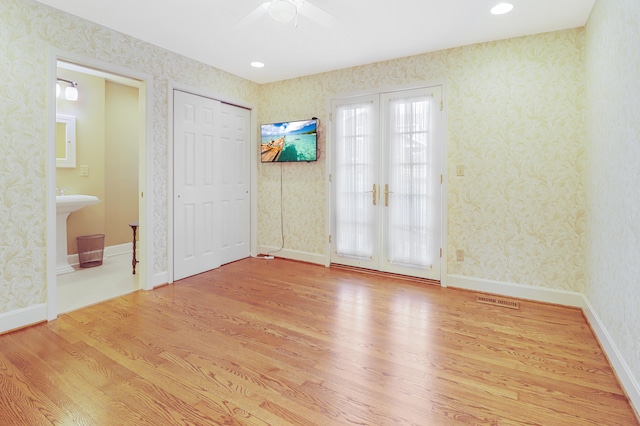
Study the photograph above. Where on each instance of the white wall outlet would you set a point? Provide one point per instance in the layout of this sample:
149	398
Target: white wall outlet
84	170
459	255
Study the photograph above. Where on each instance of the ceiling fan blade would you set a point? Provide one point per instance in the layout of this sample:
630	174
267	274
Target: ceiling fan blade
253	17
316	14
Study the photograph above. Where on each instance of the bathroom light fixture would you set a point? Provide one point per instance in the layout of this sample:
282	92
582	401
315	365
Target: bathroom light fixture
501	8
71	92
257	64
282	11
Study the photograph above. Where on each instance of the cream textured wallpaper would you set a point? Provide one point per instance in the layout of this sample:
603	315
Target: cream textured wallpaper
613	172
27	32
515	122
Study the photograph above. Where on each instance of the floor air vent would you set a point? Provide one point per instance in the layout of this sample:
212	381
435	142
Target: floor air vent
497	301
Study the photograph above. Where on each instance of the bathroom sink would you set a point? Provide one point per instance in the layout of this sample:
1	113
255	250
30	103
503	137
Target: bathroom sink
65	205
72	203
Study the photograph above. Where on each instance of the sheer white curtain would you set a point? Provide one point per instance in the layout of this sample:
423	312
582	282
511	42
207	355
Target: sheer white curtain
410	153
355	173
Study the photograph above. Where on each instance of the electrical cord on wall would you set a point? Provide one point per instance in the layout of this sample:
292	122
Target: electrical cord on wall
269	254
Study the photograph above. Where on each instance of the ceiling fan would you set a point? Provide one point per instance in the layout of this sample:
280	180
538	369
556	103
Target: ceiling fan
284	11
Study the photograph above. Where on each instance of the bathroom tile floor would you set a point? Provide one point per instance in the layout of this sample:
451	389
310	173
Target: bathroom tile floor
88	286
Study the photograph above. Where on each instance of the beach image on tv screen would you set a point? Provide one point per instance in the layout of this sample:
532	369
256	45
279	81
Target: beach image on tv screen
289	141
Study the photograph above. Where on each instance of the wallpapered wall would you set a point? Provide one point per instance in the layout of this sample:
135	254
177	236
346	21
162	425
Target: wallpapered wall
27	30
613	172
515	122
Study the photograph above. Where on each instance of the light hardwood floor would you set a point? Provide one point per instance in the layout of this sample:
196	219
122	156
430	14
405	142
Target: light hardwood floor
276	342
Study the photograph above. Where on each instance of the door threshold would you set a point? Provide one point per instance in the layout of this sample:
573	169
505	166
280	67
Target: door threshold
385	274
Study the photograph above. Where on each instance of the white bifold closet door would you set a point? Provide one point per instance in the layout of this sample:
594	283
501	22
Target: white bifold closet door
386	182
211	183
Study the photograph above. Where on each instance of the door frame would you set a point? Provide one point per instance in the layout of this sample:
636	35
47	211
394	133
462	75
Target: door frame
145	168
444	157
253	157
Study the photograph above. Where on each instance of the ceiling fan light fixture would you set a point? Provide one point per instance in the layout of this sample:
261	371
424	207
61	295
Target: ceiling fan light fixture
282	11
502	8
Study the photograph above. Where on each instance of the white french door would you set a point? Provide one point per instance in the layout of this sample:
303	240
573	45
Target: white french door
211	184
355	182
386	182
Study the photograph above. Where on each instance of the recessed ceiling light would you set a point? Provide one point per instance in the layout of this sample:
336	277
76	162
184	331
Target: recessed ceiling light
502	8
257	64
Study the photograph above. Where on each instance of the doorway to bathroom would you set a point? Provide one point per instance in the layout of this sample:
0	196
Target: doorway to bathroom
109	112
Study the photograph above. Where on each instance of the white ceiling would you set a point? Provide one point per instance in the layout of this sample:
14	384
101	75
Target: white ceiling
365	31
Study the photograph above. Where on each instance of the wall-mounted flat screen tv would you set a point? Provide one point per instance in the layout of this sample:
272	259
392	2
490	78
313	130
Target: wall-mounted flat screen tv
290	141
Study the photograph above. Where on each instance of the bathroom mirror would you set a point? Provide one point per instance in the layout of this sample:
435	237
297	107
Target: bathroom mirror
65	141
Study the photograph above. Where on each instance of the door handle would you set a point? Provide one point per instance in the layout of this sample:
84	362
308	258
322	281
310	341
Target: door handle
386	195
375	194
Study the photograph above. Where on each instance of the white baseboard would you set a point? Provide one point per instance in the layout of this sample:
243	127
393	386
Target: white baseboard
293	254
117	250
109	251
566	298
625	376
159	279
23	317
520	291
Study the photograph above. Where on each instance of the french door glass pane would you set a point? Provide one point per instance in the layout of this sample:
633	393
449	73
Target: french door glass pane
410	194
354	215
